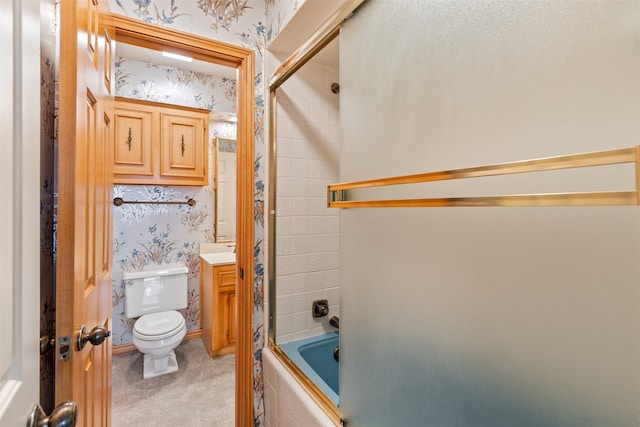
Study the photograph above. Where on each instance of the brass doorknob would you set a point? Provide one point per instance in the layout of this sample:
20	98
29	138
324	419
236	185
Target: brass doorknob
96	337
63	415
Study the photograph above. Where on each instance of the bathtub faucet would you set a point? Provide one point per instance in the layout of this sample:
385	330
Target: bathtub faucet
335	322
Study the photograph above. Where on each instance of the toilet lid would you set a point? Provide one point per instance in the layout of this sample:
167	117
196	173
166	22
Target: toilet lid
157	326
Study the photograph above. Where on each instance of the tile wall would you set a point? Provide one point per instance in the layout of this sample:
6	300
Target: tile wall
307	266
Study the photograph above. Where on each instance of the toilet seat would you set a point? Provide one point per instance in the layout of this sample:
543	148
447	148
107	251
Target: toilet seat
158	326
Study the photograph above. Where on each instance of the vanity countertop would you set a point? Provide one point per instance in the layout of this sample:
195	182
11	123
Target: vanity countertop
219	258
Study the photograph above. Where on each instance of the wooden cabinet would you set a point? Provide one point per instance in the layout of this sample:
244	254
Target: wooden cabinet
160	144
218	307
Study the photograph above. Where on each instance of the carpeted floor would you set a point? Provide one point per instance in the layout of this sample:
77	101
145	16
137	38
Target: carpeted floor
200	394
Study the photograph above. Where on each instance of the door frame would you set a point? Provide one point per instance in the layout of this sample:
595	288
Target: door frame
155	37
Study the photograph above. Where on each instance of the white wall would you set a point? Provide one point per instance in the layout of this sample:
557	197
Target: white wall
307	265
489	316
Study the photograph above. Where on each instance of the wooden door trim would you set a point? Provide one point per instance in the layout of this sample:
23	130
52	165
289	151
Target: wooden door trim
136	32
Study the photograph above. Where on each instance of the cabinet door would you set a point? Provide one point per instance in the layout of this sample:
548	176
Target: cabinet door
183	153
132	147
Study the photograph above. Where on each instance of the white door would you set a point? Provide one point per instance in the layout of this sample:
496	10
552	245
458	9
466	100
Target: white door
19	216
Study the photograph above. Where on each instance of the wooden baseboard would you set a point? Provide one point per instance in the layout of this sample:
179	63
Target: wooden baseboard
125	348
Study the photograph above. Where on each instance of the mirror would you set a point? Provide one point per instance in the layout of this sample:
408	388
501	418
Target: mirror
224	189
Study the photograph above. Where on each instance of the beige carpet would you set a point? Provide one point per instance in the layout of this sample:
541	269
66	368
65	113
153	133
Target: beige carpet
201	393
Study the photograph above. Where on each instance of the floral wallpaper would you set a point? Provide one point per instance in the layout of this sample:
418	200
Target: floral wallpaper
48	114
248	23
152	82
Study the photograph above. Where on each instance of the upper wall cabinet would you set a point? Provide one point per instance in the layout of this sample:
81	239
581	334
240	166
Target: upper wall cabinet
159	144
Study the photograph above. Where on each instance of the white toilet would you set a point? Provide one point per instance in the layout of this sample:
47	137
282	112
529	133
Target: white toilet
154	295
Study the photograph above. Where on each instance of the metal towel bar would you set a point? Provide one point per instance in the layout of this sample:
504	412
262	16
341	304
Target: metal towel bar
117	201
337	196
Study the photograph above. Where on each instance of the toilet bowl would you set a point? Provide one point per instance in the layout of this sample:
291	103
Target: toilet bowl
156	336
153	296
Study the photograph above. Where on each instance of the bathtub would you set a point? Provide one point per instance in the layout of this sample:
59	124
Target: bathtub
314	356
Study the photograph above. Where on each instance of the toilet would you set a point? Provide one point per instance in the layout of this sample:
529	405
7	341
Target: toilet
153	296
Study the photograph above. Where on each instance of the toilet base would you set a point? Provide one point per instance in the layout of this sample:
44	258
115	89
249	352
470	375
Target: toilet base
153	368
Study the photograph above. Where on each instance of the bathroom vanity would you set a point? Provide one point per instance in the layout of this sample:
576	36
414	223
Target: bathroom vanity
218	302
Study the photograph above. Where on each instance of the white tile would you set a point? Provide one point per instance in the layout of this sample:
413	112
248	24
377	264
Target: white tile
332	242
300	149
285	285
317	262
300	263
299	303
317	78
332	260
332	172
300	187
283	304
300	283
317	188
300	206
282	338
333	224
318	114
284	186
317	243
284	147
317	225
317	281
285	127
300	244
300	323
333	296
317	205
316	169
284	265
301	168
284	167
283	324
301	127
283	245
284	225
318	96
318	132
333	134
332	278
284	205
301	89
296	336
300	225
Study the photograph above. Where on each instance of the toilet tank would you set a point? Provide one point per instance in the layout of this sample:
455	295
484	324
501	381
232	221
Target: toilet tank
160	288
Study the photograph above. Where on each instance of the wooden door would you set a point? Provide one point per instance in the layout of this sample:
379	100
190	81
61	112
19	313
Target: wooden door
19	216
83	265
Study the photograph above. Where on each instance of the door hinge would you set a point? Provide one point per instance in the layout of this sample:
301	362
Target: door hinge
227	336
241	273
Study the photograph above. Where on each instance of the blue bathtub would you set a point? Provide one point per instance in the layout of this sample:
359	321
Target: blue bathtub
314	356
